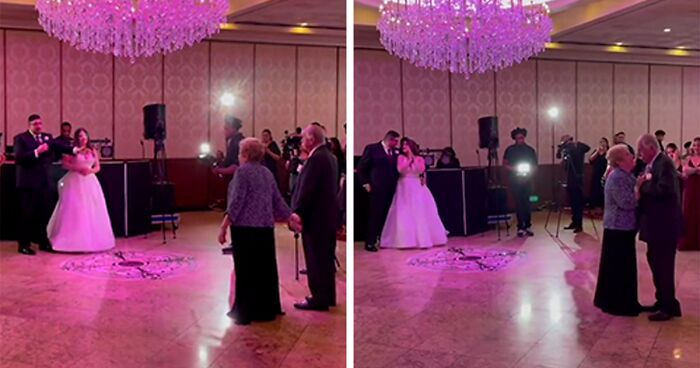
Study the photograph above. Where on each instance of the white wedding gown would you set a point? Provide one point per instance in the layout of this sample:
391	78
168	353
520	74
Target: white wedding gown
413	220
80	222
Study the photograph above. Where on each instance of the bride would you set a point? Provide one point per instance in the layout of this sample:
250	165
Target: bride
80	222
413	220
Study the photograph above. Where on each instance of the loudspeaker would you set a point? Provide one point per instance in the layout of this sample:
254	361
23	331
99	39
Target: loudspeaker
154	122
488	132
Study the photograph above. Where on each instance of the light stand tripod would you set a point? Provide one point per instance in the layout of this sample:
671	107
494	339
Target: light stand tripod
558	185
497	191
160	180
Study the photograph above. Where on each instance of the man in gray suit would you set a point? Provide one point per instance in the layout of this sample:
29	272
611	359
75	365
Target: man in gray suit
660	223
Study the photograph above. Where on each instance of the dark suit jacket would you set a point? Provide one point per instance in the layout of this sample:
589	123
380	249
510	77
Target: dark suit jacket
314	198
32	171
660	204
378	169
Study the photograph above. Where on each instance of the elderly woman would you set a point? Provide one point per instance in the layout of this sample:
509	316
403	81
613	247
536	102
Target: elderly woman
254	203
616	290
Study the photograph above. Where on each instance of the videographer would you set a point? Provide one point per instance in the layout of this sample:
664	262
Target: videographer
292	153
572	154
520	160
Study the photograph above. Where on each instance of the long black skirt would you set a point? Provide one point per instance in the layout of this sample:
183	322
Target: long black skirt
616	290
257	296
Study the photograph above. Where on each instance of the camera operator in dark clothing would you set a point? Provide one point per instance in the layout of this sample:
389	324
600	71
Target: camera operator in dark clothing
572	154
520	160
291	150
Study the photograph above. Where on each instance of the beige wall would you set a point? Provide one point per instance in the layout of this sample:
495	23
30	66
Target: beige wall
276	86
595	99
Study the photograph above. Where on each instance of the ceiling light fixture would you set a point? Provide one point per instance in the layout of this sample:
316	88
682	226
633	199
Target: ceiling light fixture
666	30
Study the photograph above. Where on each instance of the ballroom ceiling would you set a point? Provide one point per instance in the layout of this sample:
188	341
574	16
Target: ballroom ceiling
638	23
316	13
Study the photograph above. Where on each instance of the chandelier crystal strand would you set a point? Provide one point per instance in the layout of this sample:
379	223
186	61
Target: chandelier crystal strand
464	36
131	28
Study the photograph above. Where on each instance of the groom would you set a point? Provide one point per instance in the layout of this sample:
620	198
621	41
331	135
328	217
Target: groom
378	175
34	152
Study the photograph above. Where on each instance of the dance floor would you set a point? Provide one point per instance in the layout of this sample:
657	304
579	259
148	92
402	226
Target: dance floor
535	312
51	317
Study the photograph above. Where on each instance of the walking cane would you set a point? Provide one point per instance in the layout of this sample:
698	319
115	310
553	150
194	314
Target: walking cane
296	254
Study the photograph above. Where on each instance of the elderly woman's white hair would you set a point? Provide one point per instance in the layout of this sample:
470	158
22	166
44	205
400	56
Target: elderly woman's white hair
616	154
252	149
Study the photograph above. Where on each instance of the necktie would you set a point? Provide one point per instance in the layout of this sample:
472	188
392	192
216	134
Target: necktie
38	138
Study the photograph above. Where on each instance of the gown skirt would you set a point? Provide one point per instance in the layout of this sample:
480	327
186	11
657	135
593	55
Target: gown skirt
616	289
257	294
413	220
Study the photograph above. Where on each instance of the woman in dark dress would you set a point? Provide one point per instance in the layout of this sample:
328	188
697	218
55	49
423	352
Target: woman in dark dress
448	159
616	289
599	163
691	199
272	152
254	203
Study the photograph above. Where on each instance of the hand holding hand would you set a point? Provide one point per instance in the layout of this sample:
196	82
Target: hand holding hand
295	223
42	148
643	178
222	236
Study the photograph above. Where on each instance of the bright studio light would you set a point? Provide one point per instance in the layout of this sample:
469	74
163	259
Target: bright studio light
204	150
523	169
553	112
227	99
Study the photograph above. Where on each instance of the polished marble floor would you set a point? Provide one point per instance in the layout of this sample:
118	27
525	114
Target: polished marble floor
537	312
54	318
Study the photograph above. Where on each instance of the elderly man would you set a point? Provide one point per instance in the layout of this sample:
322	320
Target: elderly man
659	223
315	214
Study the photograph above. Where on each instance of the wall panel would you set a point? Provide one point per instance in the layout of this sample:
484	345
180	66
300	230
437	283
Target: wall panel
631	114
516	102
135	85
316	92
33	81
87	91
342	118
377	97
186	98
665	102
594	102
426	106
232	69
556	89
691	103
275	86
471	99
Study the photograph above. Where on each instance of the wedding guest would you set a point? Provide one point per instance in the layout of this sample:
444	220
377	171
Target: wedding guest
672	152
232	127
272	152
254	203
688	147
616	289
660	223
448	159
337	150
65	139
691	199
599	163
660	135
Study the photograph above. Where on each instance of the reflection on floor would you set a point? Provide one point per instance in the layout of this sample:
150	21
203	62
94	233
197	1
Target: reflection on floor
54	318
536	312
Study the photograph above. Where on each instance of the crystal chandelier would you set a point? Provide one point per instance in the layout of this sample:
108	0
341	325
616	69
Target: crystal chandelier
131	28
464	36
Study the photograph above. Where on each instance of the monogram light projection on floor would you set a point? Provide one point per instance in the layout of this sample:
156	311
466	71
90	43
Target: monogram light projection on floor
131	265
466	259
